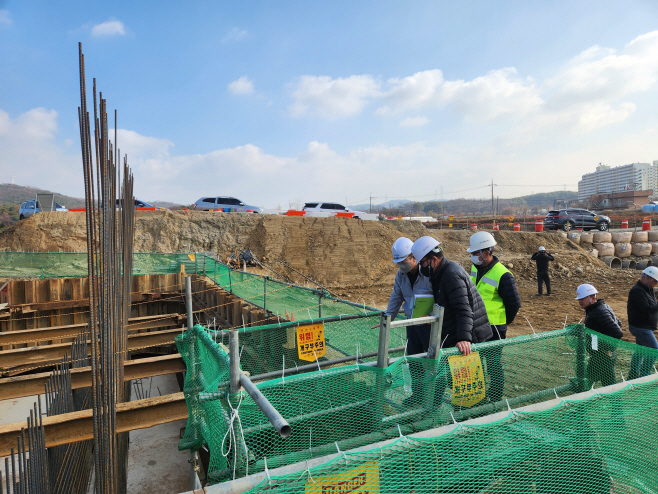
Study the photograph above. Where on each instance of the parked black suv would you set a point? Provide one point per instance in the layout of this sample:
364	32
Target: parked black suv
570	219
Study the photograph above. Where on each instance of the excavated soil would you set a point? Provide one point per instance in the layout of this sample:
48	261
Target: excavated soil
349	257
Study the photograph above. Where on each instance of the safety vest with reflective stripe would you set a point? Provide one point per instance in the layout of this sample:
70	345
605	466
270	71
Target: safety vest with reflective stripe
488	288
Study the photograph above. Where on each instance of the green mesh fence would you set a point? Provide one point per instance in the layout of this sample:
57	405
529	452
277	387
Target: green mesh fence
354	405
602	444
74	264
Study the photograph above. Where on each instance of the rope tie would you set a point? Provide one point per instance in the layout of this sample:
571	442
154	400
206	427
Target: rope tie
230	432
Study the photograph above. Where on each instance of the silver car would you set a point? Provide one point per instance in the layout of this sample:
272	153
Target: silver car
226	204
28	208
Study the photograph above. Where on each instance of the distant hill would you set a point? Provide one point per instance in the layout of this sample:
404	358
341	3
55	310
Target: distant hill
15	195
462	206
394	203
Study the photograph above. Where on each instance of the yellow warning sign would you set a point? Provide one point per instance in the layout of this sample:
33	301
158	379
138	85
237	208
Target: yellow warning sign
310	342
450	218
192	257
360	480
449	225
511	218
467	379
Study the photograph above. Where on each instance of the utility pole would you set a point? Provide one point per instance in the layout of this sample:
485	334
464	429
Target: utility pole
371	202
492	198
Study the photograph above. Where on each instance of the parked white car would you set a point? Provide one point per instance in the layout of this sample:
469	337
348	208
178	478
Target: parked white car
330	207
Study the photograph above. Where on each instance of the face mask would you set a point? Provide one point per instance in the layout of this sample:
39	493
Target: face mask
427	270
476	260
404	267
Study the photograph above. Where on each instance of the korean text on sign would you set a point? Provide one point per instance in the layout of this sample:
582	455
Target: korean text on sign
361	480
310	342
467	379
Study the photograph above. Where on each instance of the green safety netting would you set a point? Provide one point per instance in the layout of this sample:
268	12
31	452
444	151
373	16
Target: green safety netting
597	445
74	264
353	405
278	297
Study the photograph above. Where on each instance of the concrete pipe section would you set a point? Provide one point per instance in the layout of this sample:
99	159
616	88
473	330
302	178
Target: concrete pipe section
628	264
642	265
612	261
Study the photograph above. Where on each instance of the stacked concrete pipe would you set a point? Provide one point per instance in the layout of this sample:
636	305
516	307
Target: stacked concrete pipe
628	264
643	264
612	261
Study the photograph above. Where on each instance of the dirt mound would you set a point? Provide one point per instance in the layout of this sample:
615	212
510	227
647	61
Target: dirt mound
350	257
333	251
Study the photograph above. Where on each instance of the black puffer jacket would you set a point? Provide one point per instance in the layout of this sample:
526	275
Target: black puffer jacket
542	258
599	317
642	307
465	317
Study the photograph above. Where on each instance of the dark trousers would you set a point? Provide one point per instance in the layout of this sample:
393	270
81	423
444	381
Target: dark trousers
494	359
601	367
542	276
418	341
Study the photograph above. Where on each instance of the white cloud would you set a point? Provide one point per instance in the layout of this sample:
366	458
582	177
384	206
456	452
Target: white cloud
234	35
31	153
5	18
332	98
109	28
414	122
241	86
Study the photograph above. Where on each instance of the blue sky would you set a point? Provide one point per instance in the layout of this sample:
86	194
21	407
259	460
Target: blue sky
285	102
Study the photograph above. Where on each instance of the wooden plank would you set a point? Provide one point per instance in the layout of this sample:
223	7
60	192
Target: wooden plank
78	426
33	384
72	330
23	359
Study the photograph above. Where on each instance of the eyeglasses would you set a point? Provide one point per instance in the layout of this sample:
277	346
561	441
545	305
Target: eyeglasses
425	261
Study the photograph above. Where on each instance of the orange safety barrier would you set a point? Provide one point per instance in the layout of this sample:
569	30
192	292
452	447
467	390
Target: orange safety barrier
345	215
77	210
295	213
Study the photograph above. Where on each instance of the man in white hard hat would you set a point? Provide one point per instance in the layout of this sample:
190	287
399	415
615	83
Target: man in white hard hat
642	309
465	316
599	317
496	285
409	283
542	258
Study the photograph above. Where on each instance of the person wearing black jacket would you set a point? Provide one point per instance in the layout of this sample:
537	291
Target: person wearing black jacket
496	285
599	317
642	309
465	316
542	258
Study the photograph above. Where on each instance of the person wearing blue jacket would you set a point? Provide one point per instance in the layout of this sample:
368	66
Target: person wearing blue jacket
409	283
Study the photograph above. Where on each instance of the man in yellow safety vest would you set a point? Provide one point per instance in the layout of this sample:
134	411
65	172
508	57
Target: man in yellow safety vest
496	286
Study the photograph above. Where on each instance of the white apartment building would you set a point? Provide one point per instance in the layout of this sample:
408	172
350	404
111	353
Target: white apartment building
636	176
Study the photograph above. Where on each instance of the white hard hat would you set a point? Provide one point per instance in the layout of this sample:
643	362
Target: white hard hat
481	240
651	271
401	249
541	248
585	290
423	246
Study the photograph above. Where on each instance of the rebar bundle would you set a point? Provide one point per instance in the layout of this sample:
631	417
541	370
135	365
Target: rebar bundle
110	229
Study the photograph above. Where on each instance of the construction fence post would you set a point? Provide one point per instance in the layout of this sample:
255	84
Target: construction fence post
188	302
433	355
384	336
320	305
230	282
581	358
265	294
234	360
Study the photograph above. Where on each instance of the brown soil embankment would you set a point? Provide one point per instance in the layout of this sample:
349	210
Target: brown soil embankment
350	257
